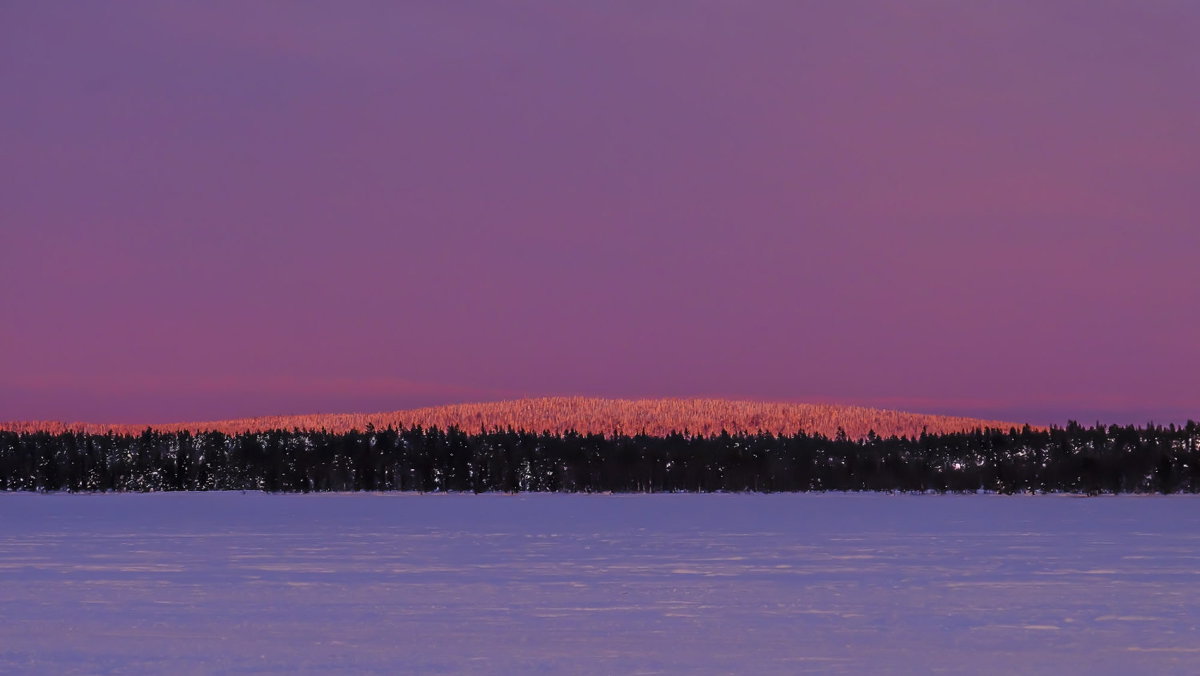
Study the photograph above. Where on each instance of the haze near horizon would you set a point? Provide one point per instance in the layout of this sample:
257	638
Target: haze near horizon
221	210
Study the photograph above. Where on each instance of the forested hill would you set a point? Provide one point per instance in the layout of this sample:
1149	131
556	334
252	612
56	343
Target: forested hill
654	417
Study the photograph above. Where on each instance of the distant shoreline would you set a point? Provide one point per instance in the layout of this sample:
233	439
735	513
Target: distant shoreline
1089	460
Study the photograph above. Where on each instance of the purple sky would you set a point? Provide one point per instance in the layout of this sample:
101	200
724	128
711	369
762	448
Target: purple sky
223	209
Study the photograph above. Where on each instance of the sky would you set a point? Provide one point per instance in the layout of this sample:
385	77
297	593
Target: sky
229	209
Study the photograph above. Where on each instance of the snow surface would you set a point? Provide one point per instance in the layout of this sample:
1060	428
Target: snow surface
253	583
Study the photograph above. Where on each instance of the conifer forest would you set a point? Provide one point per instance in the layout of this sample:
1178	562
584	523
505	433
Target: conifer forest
1072	459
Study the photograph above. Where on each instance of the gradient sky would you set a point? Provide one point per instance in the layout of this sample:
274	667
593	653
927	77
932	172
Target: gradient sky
213	209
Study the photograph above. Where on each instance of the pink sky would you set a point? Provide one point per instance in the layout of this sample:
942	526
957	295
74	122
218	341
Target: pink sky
225	209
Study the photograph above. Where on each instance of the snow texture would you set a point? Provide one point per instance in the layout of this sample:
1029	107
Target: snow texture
253	583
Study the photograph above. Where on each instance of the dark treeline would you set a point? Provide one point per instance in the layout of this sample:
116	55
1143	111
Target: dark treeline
1074	459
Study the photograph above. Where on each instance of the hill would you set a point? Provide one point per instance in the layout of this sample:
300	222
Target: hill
590	415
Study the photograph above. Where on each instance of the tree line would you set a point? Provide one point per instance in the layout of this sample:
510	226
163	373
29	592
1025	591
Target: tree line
1075	459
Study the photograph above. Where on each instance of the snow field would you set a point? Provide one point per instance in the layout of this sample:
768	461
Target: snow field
365	583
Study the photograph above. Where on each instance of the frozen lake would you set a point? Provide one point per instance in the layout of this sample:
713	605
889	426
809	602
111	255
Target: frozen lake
252	583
